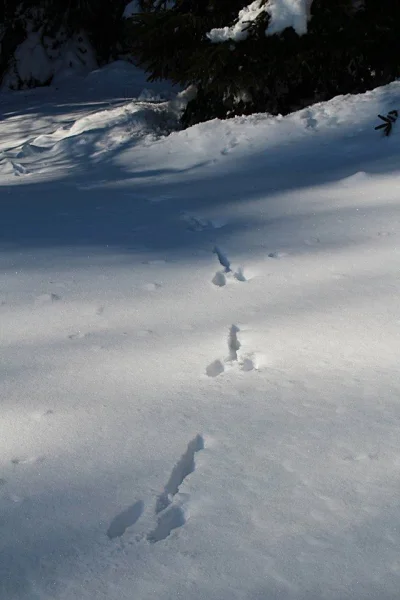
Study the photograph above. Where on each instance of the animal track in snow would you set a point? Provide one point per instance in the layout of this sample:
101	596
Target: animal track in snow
215	368
239	275
248	364
277	255
233	342
229	146
151	287
38	416
196	223
125	519
385	233
220	277
184	467
361	456
44	299
27	460
171	511
79	335
223	259
171	518
246	361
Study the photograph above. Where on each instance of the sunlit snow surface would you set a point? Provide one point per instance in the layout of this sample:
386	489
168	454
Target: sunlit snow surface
199	377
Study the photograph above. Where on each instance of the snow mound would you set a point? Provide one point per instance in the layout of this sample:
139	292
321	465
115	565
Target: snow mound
40	60
199	352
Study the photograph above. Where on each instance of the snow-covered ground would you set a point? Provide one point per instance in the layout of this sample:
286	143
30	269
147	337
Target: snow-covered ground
199	333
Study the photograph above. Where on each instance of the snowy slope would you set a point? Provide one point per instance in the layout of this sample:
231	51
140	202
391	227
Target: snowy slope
199	379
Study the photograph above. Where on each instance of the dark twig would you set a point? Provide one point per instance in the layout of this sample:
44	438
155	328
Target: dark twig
388	121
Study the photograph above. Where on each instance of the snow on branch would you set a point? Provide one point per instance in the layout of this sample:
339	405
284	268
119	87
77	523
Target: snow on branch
238	31
282	13
131	9
288	13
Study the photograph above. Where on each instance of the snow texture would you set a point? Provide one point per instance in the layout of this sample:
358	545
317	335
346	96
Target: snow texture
131	9
288	13
238	31
283	14
39	60
199	380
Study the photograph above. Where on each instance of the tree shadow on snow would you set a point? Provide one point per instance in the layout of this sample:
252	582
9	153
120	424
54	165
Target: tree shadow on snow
104	205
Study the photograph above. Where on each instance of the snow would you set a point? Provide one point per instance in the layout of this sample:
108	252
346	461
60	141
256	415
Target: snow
40	59
288	13
199	379
283	14
131	9
238	31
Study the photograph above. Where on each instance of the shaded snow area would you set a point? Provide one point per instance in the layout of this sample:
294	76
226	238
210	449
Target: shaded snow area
199	380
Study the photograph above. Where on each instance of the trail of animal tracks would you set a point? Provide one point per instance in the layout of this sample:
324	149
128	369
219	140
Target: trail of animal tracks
199	382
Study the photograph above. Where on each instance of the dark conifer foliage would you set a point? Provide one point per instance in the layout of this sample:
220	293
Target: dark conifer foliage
101	20
351	46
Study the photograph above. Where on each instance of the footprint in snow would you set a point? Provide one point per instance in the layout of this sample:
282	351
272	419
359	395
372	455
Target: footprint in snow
79	335
151	287
171	510
223	259
170	506
143	332
239	275
220	277
44	299
125	519
229	147
245	361
233	343
196	223
215	368
172	518
248	364
40	415
361	457
277	255
27	460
